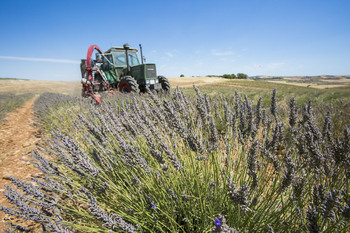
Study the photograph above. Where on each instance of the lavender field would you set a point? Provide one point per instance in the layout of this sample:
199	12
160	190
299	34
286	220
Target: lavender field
186	163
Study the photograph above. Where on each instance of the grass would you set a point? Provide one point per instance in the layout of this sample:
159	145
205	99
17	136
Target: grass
39	87
9	102
261	88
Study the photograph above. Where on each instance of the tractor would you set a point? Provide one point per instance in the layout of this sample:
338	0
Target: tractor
118	69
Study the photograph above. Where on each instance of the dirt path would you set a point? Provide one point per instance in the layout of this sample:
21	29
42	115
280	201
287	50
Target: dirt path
17	140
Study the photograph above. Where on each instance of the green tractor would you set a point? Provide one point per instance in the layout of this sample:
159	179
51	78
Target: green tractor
119	69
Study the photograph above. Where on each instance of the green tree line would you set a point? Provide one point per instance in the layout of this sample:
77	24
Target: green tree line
233	76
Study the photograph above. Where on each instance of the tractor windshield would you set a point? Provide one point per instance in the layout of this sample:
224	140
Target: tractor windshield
120	58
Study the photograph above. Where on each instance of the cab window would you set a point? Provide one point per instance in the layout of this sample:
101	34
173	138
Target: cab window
120	59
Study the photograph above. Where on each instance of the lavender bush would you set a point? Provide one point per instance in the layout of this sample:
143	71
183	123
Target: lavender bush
177	163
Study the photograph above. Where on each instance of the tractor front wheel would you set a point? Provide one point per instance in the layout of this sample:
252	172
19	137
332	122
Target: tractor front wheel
165	83
128	84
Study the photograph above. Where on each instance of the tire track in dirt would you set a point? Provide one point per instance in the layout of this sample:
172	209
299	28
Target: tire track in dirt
18	138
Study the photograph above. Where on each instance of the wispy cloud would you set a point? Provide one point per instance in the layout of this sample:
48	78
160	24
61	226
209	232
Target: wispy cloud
169	54
39	59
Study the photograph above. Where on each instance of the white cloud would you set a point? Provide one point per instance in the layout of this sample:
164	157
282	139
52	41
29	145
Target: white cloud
172	53
169	54
39	59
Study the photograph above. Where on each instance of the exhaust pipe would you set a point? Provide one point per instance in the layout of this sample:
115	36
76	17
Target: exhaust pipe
127	47
141	53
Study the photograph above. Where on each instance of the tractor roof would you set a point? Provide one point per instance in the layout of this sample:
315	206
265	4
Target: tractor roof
119	49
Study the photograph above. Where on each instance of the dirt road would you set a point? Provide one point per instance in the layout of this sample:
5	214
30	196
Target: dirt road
17	139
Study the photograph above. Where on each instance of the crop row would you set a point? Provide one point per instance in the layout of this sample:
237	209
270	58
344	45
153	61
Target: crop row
9	102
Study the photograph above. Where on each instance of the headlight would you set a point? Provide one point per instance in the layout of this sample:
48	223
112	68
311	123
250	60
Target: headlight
157	81
147	81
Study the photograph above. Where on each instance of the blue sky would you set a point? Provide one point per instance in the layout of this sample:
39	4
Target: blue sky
45	40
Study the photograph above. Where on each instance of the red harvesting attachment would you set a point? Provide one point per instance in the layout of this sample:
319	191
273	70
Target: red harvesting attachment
88	77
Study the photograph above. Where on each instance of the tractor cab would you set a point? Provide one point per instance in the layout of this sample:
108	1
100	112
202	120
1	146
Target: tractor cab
116	62
119	57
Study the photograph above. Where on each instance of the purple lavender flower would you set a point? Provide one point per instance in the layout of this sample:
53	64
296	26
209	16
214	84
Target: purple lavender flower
273	108
253	163
213	140
289	172
293	114
240	196
220	226
331	205
110	220
299	185
185	196
173	194
258	113
217	222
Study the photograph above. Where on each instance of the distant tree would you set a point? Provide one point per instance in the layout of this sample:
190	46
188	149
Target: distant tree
242	76
182	75
213	75
229	76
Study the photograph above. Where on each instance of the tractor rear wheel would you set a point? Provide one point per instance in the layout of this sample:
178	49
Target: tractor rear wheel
128	84
165	83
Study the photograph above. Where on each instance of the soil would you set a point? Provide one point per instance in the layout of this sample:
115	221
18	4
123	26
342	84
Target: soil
18	138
